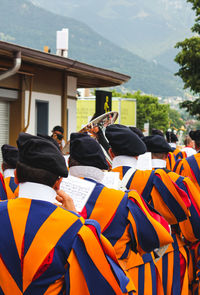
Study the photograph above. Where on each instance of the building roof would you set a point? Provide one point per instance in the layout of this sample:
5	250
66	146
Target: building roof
88	76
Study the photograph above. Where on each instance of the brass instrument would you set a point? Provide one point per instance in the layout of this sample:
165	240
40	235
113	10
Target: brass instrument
96	129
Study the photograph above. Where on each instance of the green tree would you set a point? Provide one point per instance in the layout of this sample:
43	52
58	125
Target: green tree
149	110
189	60
175	119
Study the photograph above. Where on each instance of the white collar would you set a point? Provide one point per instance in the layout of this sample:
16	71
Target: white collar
9	173
158	163
124	161
87	171
172	144
37	191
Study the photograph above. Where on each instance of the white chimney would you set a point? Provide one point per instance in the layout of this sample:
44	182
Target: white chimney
62	42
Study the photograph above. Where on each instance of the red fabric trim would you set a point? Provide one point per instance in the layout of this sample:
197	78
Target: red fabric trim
182	268
107	225
156	216
2	181
45	265
183	195
83	213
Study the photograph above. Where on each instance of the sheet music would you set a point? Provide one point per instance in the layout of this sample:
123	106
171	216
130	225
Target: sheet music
144	162
78	189
111	179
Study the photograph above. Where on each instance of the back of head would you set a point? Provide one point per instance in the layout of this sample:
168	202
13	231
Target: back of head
171	137
187	140
38	156
157	144
10	156
124	141
86	151
195	135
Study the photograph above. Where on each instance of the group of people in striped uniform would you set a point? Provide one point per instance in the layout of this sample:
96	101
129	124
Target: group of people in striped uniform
141	237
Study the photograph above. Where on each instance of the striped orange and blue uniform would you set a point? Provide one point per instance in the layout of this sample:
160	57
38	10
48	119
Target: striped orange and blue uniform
193	252
3	195
12	189
190	229
173	157
127	222
45	249
190	167
172	202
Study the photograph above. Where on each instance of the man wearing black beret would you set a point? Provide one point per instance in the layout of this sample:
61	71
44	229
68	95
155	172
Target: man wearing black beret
10	158
45	249
159	149
176	154
123	216
125	147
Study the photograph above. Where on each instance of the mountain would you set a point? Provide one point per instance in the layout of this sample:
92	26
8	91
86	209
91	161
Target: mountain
147	28
23	23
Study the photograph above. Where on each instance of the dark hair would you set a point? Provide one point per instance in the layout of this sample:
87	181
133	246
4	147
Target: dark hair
197	142
26	173
7	166
58	128
159	155
73	162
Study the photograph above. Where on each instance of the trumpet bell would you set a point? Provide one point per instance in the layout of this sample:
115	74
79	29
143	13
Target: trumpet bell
95	129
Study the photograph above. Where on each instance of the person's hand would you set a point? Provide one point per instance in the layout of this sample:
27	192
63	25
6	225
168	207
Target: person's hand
65	200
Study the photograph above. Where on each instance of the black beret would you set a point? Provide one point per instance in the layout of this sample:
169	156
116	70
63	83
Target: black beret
10	155
41	153
124	141
87	151
195	135
157	144
171	137
155	131
50	139
137	131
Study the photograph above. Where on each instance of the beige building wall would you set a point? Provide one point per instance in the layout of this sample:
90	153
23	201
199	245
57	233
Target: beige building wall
54	110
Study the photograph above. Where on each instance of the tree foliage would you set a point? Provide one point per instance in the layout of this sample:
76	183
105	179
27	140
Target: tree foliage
149	110
189	60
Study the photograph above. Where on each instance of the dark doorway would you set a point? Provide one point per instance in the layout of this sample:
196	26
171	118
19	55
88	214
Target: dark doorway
42	117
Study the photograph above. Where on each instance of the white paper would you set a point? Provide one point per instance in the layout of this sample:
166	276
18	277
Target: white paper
78	189
144	162
111	179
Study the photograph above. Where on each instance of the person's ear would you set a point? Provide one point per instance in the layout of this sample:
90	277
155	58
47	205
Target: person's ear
57	184
16	178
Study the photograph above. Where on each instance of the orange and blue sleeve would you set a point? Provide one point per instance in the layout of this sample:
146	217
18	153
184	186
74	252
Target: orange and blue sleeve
148	228
168	199
95	264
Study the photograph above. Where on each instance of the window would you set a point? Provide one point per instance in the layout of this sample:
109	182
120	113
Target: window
42	117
